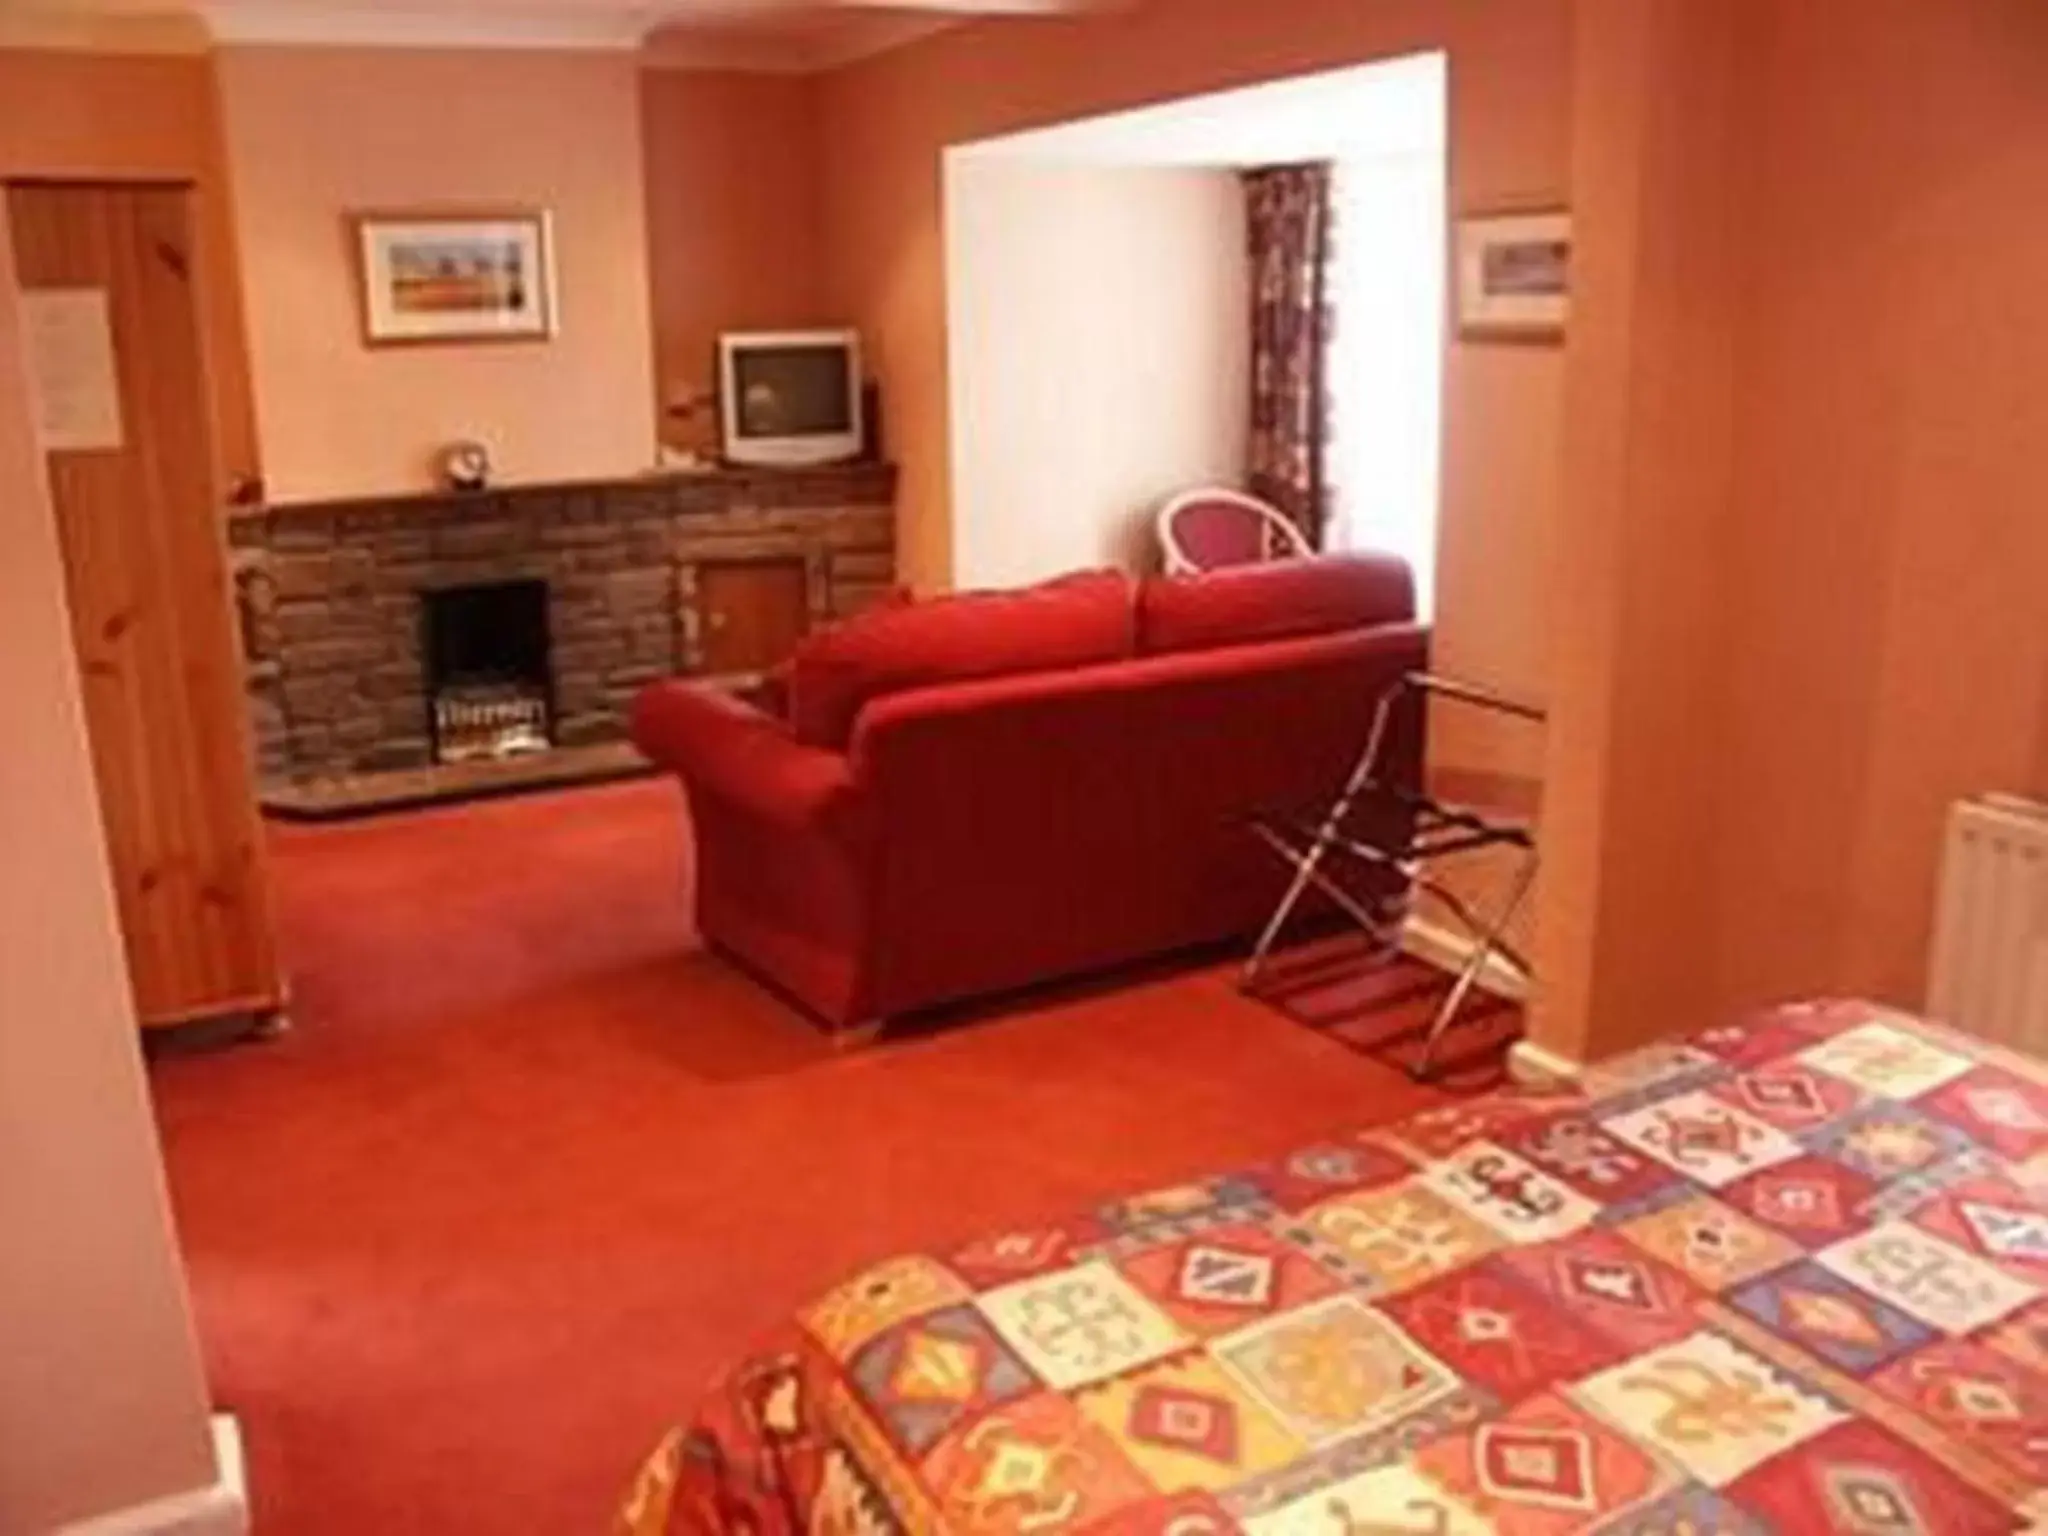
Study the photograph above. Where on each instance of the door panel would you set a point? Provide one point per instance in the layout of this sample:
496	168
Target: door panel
146	575
751	613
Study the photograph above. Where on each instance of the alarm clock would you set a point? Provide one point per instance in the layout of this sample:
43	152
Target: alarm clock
466	466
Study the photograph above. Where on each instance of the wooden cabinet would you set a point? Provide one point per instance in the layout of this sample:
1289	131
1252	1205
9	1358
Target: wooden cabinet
750	613
145	568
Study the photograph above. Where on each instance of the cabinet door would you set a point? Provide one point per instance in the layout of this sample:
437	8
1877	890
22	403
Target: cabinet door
145	570
750	613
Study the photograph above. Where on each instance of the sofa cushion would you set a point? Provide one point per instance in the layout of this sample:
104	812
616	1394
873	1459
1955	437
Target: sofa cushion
1076	621
1244	604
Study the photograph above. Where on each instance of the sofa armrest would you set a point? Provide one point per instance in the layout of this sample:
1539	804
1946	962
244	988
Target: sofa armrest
733	752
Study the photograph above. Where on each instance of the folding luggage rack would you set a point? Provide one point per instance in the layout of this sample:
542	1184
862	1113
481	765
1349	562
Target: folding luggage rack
1431	830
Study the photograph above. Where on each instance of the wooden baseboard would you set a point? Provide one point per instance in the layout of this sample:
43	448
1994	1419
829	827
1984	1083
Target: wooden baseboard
252	1006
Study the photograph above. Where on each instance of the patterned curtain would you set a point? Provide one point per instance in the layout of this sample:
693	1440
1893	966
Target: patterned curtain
1289	217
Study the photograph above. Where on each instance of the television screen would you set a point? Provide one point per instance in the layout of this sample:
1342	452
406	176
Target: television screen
793	391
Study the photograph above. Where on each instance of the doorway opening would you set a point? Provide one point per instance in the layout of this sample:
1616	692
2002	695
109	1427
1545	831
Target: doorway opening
1099	300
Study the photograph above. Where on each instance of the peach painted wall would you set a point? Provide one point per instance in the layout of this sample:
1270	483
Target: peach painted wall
1627	913
140	116
1100	356
1888	632
1803	538
734	215
102	1404
886	120
314	134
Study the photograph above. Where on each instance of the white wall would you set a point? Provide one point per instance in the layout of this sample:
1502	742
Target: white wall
102	1405
1100	336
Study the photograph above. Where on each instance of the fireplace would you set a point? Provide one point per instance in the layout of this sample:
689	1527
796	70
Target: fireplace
490	687
343	651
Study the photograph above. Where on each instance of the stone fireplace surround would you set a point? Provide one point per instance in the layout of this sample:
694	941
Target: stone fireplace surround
329	595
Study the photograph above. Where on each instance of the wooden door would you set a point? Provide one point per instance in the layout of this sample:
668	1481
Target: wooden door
750	613
145	568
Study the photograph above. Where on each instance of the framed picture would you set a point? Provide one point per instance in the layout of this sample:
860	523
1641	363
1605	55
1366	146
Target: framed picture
456	277
1514	275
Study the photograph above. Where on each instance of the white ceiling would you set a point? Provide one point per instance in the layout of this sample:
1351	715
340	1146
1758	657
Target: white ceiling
786	37
745	34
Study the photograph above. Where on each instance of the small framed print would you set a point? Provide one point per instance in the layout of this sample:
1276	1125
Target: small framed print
1514	275
456	277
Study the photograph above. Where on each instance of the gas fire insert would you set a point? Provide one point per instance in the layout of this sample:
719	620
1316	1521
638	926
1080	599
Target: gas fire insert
490	685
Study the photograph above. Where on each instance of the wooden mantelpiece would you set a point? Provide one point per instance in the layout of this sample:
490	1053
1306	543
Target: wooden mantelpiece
330	594
701	490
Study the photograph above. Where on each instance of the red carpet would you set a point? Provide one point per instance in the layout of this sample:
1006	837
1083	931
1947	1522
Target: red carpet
528	1169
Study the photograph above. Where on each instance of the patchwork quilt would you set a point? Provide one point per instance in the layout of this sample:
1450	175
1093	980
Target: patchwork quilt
1782	1277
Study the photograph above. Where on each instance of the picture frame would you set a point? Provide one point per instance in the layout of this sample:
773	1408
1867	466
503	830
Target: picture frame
1513	275
448	277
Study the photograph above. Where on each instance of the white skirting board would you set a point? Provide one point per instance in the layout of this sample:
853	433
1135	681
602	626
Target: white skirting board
1448	950
1528	1062
219	1510
1533	1066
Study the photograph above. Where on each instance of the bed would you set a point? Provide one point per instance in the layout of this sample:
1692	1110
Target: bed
1786	1276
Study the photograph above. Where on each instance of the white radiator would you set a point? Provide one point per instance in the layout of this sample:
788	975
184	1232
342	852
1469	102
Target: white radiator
1990	971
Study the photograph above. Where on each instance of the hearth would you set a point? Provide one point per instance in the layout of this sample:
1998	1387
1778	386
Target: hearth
490	686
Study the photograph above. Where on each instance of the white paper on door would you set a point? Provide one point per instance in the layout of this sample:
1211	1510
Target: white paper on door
76	389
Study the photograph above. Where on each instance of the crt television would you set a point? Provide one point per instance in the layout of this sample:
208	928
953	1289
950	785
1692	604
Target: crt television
790	397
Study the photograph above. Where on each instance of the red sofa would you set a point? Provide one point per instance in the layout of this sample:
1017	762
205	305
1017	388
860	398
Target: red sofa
964	796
